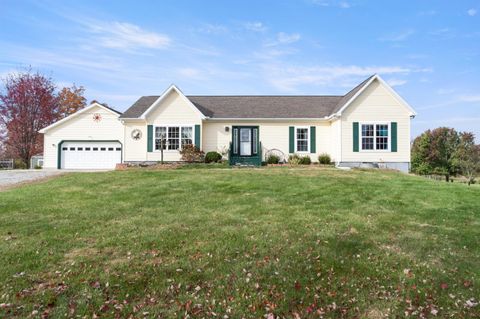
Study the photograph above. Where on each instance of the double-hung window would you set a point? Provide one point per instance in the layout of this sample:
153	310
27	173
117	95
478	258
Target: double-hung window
375	137
173	137
302	137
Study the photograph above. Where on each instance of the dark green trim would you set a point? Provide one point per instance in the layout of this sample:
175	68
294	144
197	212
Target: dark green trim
149	138
313	141
393	127
59	150
197	136
355	136
291	140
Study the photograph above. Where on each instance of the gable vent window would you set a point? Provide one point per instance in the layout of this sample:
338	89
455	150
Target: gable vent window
375	137
173	137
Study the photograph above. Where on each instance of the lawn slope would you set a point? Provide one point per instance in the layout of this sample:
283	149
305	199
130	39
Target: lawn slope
233	243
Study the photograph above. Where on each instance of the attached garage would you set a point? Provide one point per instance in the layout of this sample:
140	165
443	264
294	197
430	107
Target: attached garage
90	154
92	138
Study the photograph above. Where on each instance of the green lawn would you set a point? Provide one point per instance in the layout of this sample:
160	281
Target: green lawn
251	243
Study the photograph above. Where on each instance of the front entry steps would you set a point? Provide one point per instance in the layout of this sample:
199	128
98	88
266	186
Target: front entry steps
245	161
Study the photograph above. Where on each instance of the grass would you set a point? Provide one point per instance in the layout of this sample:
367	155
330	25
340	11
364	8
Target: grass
240	243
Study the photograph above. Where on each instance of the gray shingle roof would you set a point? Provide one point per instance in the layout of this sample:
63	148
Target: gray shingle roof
258	106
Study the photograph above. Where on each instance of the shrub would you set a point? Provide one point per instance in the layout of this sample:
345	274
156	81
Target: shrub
213	157
19	164
305	160
273	159
38	167
190	153
294	159
324	159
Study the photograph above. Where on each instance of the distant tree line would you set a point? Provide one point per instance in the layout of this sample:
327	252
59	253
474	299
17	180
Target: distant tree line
30	101
444	151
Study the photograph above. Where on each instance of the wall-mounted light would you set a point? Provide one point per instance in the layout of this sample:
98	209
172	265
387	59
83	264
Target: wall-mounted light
227	128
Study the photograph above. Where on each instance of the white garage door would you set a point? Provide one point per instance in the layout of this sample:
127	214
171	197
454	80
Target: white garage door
91	155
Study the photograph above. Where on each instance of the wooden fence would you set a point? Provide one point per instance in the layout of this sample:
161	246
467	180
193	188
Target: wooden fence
6	163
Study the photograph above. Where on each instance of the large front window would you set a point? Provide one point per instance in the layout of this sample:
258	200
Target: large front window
375	137
301	140
173	137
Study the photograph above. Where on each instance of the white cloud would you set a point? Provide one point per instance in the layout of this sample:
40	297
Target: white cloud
472	12
469	98
285	38
255	26
398	37
121	35
329	3
396	82
213	29
427	13
291	78
445	91
190	73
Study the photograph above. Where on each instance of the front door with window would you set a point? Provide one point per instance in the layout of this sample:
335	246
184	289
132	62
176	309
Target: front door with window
245	140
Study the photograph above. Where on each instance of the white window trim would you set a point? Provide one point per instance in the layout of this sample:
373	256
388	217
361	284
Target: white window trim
374	123
308	140
180	136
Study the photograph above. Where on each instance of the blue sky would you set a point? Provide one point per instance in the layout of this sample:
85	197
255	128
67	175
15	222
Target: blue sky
429	51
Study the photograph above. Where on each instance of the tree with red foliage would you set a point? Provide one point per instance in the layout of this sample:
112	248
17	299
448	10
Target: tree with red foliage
27	104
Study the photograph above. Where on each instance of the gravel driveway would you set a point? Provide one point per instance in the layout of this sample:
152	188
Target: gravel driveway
12	177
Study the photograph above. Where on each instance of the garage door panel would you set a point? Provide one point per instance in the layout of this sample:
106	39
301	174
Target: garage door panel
91	155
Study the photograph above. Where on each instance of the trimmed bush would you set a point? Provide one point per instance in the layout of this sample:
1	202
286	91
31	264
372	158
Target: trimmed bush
190	153
273	159
213	157
324	159
305	160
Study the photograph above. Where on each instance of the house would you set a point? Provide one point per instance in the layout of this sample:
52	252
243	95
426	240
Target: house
369	124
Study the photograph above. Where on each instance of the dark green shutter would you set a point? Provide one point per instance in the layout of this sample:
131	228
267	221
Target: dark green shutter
149	138
394	136
313	142
197	136
291	139
355	136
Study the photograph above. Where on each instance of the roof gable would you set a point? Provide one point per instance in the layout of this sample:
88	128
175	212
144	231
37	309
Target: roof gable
358	90
146	104
76	114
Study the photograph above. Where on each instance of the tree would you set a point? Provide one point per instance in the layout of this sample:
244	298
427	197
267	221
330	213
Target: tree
71	100
27	104
467	156
420	151
434	152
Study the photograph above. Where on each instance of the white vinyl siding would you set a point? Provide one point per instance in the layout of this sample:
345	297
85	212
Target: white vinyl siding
173	111
376	105
81	128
